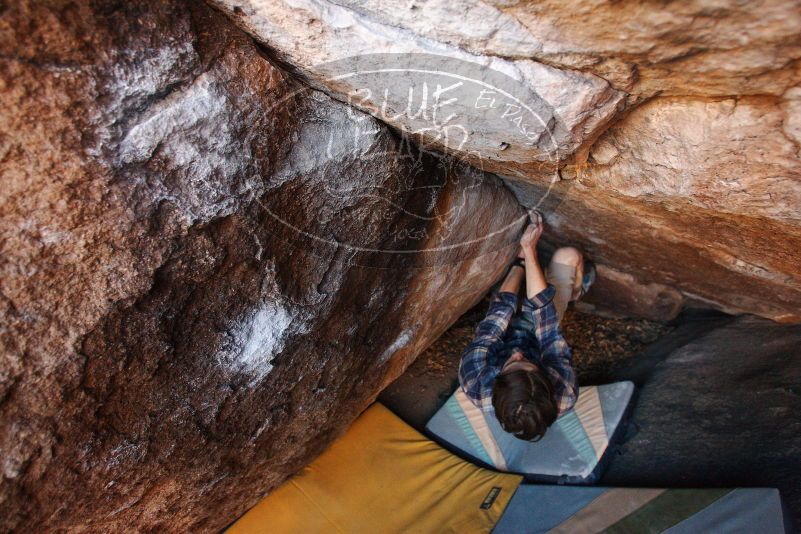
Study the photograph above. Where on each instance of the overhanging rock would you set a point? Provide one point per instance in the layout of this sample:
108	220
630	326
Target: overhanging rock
208	271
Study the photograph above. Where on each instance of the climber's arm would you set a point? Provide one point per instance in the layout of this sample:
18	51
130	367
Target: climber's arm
535	278
538	307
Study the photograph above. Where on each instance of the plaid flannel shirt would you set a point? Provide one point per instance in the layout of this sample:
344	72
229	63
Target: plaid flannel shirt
544	345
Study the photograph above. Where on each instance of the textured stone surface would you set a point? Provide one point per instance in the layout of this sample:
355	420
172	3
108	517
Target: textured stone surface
195	290
690	180
311	34
678	48
615	293
733	156
733	263
696	47
703	196
722	410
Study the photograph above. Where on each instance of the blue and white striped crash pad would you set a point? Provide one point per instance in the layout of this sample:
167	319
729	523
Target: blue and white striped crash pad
570	509
570	452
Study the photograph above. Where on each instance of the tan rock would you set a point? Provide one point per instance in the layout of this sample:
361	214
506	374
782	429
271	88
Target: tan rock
324	40
620	294
721	177
732	262
674	48
691	47
728	156
705	126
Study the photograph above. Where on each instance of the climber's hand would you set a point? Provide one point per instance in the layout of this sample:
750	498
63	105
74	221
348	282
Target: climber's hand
528	242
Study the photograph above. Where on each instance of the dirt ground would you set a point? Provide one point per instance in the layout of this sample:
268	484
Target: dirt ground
601	345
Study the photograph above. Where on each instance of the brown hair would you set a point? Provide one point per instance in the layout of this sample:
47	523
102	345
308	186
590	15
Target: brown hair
524	403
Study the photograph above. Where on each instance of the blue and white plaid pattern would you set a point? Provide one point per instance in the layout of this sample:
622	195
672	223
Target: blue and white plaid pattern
534	332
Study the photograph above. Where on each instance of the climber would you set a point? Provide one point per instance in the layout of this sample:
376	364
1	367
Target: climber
525	371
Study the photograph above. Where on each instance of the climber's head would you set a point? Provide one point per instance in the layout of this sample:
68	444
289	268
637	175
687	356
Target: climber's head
523	399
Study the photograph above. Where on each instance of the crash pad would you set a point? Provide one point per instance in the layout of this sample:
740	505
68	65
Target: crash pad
569	509
383	476
573	449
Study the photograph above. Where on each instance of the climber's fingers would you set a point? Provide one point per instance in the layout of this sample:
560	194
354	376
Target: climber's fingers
531	235
535	217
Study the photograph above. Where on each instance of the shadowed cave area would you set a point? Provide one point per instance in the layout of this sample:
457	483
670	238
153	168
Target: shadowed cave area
231	228
708	412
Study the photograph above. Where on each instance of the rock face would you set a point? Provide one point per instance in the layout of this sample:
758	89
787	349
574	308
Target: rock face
616	291
721	410
679	48
317	36
675	128
207	270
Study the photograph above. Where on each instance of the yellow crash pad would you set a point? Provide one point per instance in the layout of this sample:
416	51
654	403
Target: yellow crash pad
383	476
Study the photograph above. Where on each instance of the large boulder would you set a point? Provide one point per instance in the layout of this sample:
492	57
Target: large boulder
720	409
674	128
207	270
323	40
